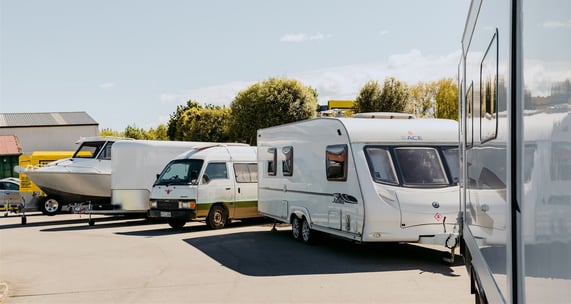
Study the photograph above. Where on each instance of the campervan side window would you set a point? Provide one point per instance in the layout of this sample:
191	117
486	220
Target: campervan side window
287	163
452	160
421	167
381	165
272	161
489	92
246	173
336	162
215	171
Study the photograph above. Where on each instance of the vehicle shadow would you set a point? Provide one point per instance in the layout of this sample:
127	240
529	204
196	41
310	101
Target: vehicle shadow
275	253
194	227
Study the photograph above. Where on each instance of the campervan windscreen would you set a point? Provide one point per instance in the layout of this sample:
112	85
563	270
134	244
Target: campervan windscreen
180	172
413	166
94	149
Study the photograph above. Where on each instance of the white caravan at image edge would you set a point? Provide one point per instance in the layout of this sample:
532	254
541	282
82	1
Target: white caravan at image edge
363	179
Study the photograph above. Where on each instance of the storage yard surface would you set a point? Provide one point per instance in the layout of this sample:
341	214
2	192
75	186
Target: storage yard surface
61	259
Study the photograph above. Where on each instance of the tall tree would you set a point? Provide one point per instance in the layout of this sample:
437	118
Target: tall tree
208	124
394	96
369	98
173	126
269	103
422	99
447	99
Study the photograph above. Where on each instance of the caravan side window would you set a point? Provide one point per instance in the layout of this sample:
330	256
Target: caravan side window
287	164
336	162
246	173
272	161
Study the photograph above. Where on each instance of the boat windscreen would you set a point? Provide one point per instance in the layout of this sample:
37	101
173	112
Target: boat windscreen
91	149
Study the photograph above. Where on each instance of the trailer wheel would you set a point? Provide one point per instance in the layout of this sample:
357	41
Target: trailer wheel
177	223
296	228
216	218
50	206
306	233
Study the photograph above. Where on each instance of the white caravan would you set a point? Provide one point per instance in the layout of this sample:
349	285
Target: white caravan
515	151
215	183
368	180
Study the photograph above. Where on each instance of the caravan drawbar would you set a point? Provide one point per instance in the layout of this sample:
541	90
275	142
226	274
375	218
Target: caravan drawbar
362	179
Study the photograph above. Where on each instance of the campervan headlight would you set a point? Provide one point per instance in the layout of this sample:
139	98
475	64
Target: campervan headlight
154	204
187	205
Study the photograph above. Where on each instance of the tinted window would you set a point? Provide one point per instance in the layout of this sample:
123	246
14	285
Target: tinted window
287	163
381	165
246	173
421	166
336	162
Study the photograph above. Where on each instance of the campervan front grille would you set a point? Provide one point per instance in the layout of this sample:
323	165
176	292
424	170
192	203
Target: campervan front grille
165	205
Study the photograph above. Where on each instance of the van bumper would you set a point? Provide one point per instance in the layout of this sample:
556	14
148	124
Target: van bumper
185	214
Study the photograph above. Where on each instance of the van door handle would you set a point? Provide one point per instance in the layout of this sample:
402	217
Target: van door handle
238	190
228	188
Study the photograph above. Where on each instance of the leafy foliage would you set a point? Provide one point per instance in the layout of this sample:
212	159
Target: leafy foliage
446	99
369	98
272	102
173	126
209	124
395	95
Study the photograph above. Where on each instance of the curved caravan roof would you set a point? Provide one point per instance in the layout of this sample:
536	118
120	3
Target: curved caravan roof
366	130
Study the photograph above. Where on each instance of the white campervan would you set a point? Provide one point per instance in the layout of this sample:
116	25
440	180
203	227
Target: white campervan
368	180
215	183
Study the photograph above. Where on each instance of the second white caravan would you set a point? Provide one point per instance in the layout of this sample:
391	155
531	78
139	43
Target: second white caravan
367	180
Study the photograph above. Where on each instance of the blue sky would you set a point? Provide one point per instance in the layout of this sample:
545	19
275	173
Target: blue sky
131	62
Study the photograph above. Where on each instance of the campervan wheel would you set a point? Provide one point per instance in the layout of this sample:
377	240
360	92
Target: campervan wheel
217	217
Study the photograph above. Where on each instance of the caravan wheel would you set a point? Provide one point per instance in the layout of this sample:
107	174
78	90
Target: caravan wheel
306	233
296	228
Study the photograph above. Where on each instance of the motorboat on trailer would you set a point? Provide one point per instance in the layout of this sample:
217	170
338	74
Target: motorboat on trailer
83	178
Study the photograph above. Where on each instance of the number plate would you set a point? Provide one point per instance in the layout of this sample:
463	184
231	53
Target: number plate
165	214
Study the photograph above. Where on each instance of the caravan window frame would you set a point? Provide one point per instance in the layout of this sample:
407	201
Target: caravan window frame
271	164
341	153
388	166
287	163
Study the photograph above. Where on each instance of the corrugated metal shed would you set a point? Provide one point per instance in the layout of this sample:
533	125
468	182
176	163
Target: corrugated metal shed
23	120
10	145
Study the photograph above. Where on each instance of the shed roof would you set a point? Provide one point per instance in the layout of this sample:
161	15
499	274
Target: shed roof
10	145
16	120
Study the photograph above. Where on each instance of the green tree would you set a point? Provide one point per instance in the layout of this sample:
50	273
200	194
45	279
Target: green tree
135	133
160	133
173	126
394	96
369	98
422	99
205	124
110	133
446	98
272	102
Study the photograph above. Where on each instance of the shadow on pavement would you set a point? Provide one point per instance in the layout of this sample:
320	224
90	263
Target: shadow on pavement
268	253
51	222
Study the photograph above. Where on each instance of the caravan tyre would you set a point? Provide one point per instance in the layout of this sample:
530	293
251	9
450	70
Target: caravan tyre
306	233
176	223
296	228
50	206
217	217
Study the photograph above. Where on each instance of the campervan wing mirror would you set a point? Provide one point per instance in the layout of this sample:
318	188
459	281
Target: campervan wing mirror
193	177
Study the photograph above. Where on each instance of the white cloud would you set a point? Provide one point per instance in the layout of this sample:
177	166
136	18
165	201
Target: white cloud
107	85
383	33
557	24
300	37
340	82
